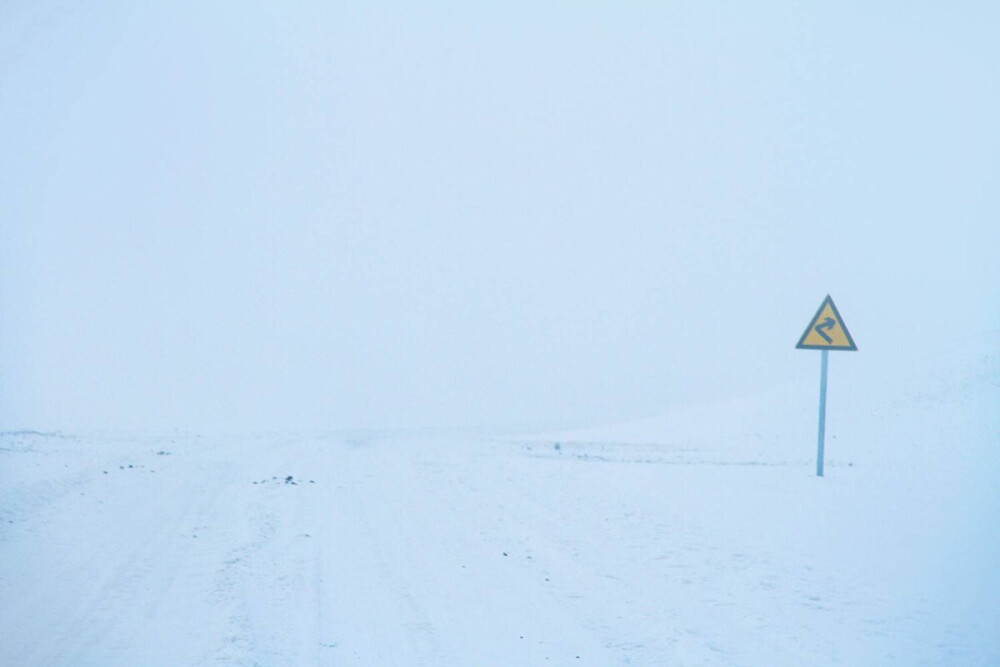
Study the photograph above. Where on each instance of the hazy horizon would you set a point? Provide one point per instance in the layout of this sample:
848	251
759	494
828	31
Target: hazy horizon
340	216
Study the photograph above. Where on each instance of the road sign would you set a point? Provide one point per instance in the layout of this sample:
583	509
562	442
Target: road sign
827	331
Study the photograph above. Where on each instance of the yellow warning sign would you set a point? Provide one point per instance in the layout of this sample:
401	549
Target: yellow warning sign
826	331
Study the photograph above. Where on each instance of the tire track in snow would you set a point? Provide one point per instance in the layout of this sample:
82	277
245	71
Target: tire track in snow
370	567
270	577
142	547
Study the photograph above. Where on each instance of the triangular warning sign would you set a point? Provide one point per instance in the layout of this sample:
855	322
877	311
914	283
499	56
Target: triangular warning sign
826	331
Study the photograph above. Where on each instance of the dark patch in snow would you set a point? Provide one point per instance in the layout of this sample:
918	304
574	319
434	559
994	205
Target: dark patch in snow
288	480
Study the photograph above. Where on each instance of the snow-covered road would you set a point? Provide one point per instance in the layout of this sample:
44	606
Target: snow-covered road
684	546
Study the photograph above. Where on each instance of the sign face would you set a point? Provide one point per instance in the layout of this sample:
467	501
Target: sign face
826	331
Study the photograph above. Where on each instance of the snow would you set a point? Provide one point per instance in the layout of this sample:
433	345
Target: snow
700	537
231	241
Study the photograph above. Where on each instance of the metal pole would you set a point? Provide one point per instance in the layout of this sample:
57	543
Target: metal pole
822	415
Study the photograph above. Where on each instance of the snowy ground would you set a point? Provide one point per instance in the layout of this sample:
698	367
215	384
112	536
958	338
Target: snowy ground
698	538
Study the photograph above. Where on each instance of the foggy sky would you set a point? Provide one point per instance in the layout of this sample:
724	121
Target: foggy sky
332	215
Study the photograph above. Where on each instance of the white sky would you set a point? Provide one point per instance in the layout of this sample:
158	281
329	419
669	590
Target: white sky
332	215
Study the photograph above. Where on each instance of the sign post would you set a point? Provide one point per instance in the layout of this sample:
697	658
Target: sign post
822	414
826	331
